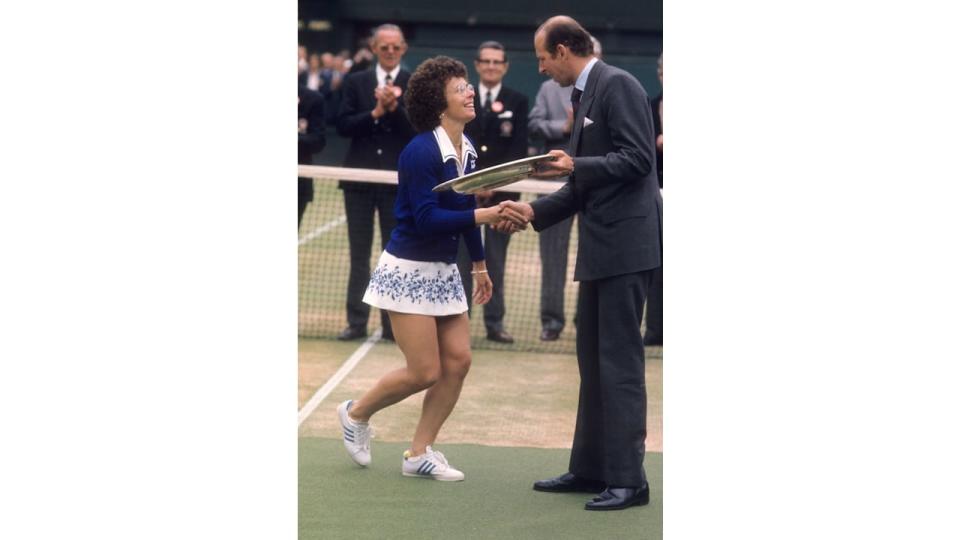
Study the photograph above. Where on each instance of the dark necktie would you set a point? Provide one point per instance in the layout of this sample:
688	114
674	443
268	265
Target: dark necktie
575	99
388	79
487	103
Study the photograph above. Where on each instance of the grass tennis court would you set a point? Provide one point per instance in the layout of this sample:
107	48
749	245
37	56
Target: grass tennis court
513	425
340	500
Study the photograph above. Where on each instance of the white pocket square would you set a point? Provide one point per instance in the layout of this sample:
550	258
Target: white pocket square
505	114
587	121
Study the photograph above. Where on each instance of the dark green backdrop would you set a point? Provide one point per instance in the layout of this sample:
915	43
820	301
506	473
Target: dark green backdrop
631	33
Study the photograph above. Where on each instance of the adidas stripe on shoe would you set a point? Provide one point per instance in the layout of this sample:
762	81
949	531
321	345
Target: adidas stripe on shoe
356	435
432	464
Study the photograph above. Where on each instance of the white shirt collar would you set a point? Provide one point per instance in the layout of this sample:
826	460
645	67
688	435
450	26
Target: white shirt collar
382	74
447	151
581	83
494	92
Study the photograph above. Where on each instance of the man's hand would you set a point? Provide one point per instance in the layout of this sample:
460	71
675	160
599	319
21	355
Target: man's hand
385	100
562	166
500	220
514	213
378	110
568	127
390	101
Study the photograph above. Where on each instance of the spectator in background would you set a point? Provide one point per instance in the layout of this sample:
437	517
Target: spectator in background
654	335
657	108
302	63
311	140
331	76
499	133
373	116
363	59
551	121
312	78
344	62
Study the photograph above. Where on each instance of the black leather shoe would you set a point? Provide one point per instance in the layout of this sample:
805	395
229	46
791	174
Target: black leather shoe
569	483
549	335
351	333
500	336
615	498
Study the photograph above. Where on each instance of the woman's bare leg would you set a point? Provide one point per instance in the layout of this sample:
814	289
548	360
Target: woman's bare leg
416	335
453	337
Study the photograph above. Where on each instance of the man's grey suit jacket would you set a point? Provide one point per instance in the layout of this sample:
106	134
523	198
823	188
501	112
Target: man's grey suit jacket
614	184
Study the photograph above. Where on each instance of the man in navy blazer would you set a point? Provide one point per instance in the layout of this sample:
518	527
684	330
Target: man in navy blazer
372	114
613	189
310	140
499	133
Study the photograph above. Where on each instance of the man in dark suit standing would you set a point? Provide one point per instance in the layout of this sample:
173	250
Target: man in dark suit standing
373	116
310	141
654	335
613	189
499	133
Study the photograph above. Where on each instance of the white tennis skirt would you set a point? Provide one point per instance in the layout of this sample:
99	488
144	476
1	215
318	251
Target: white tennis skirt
425	288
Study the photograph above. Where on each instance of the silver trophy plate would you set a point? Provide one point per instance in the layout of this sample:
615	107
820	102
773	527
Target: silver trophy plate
494	177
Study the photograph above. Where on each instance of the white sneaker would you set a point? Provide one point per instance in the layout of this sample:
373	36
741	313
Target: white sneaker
356	435
430	465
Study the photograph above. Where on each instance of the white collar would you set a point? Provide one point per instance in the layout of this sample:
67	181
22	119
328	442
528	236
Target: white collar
447	151
382	74
494	92
581	83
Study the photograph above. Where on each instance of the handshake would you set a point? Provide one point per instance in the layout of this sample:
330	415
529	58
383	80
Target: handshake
508	217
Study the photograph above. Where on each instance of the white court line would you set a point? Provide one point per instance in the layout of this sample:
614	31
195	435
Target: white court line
322	229
341	373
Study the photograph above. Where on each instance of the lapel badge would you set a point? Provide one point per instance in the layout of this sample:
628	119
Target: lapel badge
497	107
303	125
506	128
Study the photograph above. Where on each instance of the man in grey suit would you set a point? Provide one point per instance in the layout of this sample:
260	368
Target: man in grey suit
613	188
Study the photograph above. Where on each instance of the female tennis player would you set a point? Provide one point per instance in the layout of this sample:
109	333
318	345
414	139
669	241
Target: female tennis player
416	279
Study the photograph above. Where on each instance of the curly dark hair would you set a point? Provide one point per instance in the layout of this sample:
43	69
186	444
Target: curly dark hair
426	92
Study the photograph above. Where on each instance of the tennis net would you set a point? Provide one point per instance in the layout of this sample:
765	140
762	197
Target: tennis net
324	268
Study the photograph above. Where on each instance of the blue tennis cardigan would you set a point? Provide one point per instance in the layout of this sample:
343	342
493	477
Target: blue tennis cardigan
429	224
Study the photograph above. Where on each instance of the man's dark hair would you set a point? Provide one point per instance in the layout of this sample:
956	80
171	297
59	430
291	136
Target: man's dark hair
568	32
426	92
492	45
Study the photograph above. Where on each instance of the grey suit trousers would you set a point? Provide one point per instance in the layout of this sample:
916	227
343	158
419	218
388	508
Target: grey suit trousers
609	441
554	248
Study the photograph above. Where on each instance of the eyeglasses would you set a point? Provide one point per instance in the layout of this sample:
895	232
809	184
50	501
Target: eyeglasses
385	48
463	88
491	62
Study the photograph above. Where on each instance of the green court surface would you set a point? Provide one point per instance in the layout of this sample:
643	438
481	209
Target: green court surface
338	499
